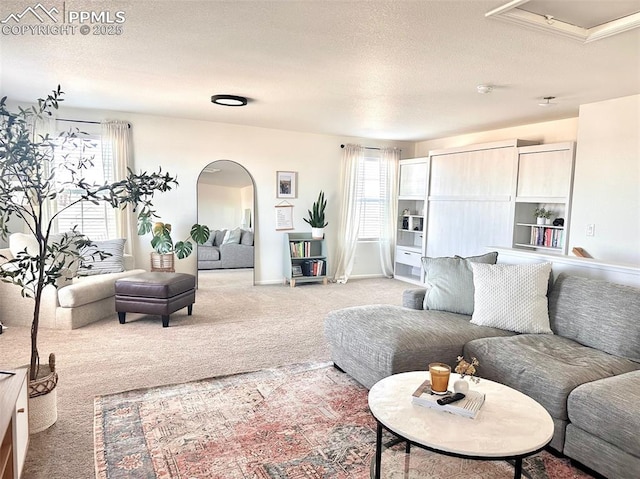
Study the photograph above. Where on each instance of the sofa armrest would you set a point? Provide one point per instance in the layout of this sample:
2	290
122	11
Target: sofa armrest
413	298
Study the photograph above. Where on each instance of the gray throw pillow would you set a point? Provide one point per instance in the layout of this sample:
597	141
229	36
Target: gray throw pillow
113	263
247	238
210	239
219	237
450	282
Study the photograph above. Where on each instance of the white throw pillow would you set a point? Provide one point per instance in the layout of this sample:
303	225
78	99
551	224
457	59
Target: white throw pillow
512	297
232	236
92	263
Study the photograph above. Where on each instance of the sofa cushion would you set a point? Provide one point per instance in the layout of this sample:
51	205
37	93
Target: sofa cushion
18	242
512	297
597	313
450	282
390	339
208	253
89	289
93	264
247	238
544	366
608	410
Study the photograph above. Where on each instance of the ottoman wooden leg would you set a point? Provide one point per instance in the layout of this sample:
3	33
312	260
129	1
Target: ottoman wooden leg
121	317
165	320
190	309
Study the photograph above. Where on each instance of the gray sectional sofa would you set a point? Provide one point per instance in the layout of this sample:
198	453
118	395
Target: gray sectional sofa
227	249
586	373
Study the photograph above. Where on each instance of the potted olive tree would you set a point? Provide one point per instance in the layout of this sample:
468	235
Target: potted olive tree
28	184
316	217
163	244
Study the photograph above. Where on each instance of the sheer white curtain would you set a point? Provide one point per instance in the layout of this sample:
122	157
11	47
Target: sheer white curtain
389	163
350	212
41	127
117	150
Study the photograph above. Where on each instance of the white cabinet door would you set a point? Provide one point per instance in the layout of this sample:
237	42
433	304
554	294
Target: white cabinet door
413	178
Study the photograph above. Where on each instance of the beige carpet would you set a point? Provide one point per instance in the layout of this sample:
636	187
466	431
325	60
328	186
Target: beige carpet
235	327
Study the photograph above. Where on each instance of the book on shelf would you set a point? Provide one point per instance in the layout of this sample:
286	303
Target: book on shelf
314	267
466	407
547	237
300	249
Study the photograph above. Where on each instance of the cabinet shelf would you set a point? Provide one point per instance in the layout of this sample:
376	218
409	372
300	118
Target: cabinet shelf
533	246
412	199
535	225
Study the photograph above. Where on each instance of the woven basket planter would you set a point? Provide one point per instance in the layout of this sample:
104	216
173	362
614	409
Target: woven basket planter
43	398
162	262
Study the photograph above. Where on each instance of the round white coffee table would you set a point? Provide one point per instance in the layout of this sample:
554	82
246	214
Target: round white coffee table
509	425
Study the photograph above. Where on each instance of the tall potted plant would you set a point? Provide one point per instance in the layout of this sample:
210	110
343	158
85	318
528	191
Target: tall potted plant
28	184
162	242
316	217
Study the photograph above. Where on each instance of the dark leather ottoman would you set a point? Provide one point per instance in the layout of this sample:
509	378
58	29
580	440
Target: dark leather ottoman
155	293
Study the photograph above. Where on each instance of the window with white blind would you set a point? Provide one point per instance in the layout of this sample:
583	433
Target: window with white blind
98	222
372	193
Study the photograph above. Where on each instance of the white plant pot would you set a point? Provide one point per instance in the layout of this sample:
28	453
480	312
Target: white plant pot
461	386
43	411
317	233
547	221
540	221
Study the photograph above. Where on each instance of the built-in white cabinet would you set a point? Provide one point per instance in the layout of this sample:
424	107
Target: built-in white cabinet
471	194
459	201
545	181
410	226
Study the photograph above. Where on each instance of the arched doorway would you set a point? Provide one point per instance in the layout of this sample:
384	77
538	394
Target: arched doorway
226	204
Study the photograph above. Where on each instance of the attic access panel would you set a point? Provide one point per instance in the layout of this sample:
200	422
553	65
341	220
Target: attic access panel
583	20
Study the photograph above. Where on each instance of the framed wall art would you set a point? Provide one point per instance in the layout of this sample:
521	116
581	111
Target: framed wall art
286	184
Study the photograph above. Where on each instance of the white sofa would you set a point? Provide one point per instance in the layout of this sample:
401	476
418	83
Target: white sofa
77	303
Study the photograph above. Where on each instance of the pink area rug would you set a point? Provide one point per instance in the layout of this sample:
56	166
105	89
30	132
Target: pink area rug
294	422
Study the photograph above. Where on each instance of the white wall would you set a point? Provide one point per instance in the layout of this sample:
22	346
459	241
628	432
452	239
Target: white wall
185	147
219	207
606	190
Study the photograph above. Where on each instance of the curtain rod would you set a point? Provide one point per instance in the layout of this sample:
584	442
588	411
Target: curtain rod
368	147
85	121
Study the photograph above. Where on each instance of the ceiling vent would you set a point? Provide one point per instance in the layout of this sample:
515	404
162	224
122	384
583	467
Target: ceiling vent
581	20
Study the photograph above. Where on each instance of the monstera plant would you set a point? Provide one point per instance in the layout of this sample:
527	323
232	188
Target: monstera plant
161	239
30	184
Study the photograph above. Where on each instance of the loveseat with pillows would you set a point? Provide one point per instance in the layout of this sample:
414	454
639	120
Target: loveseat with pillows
227	249
572	345
87	297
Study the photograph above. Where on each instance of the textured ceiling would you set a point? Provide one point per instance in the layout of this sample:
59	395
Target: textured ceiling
390	70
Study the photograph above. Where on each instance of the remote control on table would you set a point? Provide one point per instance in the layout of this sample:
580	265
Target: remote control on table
450	399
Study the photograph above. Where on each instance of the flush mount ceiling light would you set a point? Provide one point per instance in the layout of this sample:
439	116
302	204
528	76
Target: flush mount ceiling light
229	100
547	101
484	89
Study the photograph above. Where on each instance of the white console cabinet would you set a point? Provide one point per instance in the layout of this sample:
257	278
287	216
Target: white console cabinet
14	423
